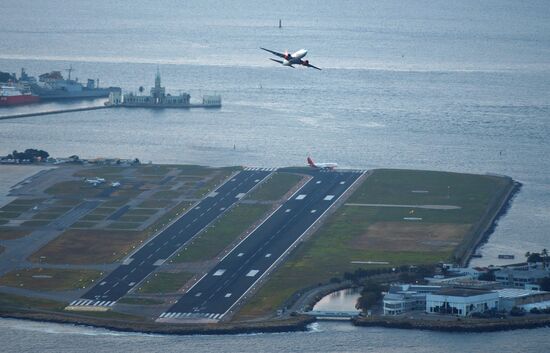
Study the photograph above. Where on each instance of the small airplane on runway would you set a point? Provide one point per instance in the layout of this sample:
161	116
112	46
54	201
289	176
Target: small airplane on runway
321	165
290	59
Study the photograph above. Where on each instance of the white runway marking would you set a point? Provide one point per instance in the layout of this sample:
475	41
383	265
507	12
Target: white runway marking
313	211
240	195
240	254
131	284
227	295
252	273
328	197
287	210
342	182
198	294
219	272
268	255
301	197
318	182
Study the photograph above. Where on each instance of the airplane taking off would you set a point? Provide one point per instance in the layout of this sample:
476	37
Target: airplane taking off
321	165
291	59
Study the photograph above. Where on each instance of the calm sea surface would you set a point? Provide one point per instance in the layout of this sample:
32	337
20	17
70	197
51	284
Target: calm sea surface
459	86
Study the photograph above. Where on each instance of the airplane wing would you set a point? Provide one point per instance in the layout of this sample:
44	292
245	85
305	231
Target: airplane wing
307	64
280	62
281	55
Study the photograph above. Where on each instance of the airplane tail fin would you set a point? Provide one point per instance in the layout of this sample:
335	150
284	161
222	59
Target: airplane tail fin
310	162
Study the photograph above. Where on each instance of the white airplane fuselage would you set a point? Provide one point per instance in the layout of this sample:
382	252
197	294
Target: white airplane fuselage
295	58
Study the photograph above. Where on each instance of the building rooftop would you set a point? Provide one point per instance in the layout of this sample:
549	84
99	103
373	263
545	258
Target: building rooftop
510	293
462	292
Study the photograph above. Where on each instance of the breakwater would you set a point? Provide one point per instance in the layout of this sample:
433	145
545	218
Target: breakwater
51	112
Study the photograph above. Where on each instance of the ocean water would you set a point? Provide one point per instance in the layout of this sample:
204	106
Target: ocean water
462	86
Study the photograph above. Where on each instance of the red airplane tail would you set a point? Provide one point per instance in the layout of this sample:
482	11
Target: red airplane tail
310	162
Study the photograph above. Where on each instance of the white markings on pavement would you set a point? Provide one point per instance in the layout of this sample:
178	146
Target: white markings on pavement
159	262
313	211
227	295
240	254
222	208
252	273
301	197
342	182
213	194
257	180
198	294
287	210
102	283
318	182
268	255
131	284
240	195
328	197
127	261
219	272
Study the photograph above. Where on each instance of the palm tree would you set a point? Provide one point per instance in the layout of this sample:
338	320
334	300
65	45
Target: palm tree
527	254
544	254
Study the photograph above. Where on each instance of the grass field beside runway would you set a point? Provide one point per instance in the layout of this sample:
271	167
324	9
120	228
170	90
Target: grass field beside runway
9	234
222	233
88	246
165	282
10	301
275	187
40	279
355	233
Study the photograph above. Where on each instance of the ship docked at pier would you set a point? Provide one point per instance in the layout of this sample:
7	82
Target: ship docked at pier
158	98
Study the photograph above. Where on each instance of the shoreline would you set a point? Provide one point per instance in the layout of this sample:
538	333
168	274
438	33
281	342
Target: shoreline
297	323
457	325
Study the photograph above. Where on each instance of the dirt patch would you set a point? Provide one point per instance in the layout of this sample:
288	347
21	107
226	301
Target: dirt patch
9	234
83	246
400	236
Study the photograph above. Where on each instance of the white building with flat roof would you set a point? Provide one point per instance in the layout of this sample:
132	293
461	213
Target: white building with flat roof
461	302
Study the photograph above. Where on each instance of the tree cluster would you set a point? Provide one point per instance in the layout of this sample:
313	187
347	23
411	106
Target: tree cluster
538	257
30	154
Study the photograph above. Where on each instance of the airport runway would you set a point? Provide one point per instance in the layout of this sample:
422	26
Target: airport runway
153	253
215	294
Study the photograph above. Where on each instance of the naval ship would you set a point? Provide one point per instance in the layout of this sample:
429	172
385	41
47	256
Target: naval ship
53	86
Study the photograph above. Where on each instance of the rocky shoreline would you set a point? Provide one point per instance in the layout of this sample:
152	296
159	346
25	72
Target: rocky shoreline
291	324
457	325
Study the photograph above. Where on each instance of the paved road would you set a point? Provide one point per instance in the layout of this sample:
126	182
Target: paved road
152	254
221	289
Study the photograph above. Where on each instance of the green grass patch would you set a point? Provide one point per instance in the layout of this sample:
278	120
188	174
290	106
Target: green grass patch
68	201
89	246
275	188
9	215
222	233
167	194
165	282
15	208
46	216
135	219
84	224
40	279
101	172
93	217
116	202
124	225
8	301
109	314
141	211
75	187
154	203
140	301
2	249
8	234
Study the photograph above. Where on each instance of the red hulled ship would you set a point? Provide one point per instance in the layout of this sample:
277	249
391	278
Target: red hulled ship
10	95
